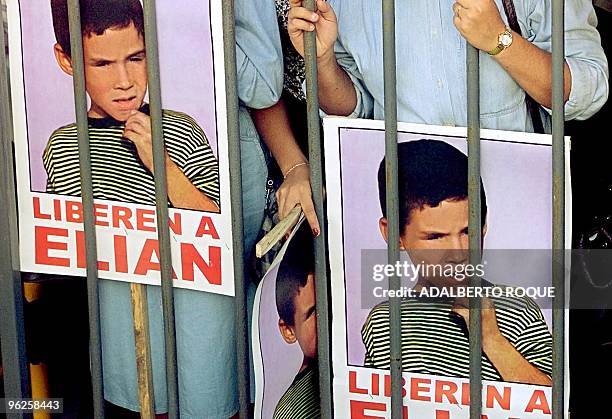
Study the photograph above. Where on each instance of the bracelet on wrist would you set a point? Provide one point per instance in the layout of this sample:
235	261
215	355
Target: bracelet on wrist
295	166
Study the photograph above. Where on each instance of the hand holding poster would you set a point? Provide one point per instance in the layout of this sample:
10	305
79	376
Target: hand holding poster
516	207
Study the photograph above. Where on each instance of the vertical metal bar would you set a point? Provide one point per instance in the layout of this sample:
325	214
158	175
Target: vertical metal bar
12	333
474	228
558	226
393	228
91	253
161	203
233	133
315	158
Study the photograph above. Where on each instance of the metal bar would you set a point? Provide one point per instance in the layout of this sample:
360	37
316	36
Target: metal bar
393	226
161	203
558	238
315	157
233	133
12	333
474	228
91	253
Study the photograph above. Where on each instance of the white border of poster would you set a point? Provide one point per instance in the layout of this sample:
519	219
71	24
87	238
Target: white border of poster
201	241
364	388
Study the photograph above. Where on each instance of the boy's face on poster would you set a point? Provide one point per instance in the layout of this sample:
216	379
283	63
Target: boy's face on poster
304	329
115	71
437	236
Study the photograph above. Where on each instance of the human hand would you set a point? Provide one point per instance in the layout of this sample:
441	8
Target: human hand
302	20
490	328
479	22
138	131
296	190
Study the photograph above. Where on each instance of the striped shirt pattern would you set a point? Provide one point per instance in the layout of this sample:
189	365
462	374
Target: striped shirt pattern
301	400
435	339
117	172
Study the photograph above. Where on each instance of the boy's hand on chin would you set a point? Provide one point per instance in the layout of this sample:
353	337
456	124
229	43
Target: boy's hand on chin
138	131
490	328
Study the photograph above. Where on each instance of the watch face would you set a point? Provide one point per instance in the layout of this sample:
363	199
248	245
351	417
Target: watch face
506	39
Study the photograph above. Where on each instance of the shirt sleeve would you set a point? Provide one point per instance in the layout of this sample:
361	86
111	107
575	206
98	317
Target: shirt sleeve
49	166
202	168
365	103
259	58
366	337
535	340
375	337
583	53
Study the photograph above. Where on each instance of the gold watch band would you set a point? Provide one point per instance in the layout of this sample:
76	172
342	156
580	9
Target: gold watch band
499	48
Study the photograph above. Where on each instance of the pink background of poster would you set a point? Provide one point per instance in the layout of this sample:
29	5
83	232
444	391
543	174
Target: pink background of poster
187	74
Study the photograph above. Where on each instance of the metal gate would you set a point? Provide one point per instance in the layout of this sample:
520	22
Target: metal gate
11	296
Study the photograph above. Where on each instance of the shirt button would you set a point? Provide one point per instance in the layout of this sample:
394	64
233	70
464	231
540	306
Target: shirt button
440	84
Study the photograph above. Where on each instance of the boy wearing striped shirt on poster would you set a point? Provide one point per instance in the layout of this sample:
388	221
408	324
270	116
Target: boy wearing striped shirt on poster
119	124
296	305
122	170
433	192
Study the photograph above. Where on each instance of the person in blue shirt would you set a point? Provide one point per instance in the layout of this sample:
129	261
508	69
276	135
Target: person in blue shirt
431	39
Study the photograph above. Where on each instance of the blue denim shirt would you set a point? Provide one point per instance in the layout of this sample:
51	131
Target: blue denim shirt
259	58
431	63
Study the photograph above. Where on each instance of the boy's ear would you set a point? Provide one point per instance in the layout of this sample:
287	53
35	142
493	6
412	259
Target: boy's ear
384	231
382	224
63	59
286	332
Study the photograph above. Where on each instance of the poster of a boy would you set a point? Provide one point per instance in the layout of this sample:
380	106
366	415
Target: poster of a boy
122	170
119	125
296	305
517	345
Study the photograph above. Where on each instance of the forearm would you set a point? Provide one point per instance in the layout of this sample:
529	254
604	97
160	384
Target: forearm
336	91
531	68
183	194
511	365
273	125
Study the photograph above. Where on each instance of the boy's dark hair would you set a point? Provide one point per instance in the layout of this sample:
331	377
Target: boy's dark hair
293	271
96	17
430	172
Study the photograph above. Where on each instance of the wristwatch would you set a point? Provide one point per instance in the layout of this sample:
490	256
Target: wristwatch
504	41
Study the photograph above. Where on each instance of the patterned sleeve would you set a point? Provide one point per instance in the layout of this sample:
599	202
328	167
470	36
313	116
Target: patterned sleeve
49	165
202	167
375	337
535	340
366	337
